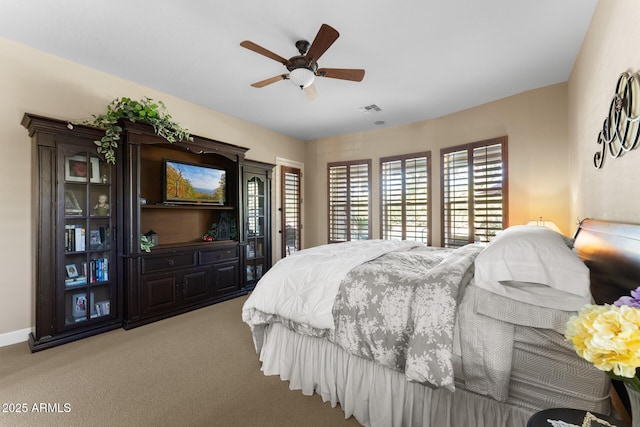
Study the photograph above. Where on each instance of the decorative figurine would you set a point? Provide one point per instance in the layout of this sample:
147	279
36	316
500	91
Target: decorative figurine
102	208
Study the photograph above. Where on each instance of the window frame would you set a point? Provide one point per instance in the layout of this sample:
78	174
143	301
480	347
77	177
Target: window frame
403	159
284	197
469	148
348	165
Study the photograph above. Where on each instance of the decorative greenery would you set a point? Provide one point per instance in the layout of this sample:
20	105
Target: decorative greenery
145	243
146	110
214	232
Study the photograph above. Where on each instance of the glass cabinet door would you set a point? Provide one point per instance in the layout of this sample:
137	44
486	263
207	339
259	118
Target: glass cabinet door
85	290
255	228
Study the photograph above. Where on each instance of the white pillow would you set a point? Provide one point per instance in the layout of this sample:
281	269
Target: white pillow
523	258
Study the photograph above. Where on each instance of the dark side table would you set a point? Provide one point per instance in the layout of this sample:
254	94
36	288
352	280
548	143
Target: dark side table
572	416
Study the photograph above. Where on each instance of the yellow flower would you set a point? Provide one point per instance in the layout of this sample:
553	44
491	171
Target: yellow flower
607	336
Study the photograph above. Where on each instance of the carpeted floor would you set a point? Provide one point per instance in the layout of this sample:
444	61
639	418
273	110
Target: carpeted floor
196	369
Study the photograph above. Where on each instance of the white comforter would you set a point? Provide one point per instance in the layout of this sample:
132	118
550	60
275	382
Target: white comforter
289	289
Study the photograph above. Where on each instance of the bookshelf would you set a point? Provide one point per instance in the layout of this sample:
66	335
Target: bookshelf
257	220
77	287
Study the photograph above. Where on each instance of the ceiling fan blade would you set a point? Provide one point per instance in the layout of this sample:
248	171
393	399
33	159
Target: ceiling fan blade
262	51
268	81
355	75
323	41
311	92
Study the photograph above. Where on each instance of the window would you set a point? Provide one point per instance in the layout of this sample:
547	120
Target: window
474	192
349	200
291	209
404	193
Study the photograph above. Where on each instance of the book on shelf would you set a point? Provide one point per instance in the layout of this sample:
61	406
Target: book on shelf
71	205
93	309
103	308
99	270
75	281
74	238
80	233
105	269
251	250
104	237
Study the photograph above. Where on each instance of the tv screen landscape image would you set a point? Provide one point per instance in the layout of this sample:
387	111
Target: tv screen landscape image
190	183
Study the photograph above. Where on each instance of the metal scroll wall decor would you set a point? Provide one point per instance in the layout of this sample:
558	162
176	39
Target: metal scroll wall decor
621	129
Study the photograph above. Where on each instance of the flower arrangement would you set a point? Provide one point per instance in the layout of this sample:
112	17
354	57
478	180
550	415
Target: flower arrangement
609	337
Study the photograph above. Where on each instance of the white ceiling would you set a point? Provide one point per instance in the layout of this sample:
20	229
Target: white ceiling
423	58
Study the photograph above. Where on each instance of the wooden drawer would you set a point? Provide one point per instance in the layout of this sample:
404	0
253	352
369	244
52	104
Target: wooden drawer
218	255
167	262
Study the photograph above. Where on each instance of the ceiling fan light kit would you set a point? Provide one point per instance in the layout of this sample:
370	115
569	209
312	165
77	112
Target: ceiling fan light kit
303	68
301	77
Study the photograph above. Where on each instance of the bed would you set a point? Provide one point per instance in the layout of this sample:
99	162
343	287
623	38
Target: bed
401	334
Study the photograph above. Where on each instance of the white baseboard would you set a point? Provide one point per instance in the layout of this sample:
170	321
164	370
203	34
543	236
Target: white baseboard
14	337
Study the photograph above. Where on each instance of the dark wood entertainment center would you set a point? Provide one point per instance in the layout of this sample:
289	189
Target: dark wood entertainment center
102	279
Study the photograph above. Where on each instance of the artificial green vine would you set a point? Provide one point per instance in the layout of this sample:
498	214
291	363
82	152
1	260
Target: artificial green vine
145	243
147	111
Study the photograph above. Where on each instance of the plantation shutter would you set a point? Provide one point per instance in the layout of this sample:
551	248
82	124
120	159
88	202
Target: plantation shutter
291	210
392	193
349	201
338	203
474	192
405	197
488	192
455	181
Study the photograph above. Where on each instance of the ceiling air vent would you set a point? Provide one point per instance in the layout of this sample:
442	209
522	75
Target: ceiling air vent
373	108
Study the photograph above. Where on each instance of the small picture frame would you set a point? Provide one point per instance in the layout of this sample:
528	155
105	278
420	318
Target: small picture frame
72	270
95	239
76	169
79	305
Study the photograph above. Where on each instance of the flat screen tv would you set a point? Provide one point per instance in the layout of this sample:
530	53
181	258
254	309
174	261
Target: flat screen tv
192	184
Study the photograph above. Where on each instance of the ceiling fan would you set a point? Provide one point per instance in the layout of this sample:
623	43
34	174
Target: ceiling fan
303	68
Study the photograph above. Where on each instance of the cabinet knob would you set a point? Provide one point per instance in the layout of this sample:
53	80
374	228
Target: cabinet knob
171	263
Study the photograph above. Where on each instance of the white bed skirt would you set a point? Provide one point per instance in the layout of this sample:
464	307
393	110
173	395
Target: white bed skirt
375	395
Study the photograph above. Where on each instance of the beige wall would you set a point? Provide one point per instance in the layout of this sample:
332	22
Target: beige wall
35	82
552	138
534	121
610	48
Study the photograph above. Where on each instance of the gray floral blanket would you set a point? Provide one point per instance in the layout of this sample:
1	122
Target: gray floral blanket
399	310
